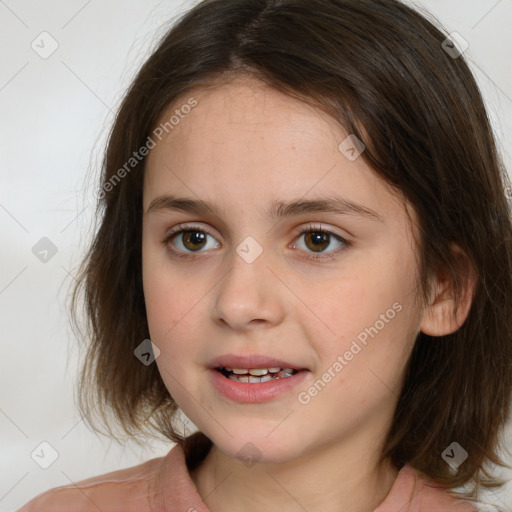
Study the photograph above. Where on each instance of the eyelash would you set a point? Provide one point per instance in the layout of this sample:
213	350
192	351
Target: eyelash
311	228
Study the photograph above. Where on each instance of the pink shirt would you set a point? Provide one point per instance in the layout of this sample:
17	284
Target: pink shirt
164	484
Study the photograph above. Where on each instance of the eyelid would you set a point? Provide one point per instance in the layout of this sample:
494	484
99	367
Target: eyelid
298	231
187	227
319	226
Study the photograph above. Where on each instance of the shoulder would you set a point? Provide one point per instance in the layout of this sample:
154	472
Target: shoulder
131	488
414	491
433	496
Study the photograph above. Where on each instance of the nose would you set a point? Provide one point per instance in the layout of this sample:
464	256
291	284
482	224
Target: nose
249	294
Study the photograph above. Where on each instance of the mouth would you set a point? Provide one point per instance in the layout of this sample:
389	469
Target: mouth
256	383
255	378
256	375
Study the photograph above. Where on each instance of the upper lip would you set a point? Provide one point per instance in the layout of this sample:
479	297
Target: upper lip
251	361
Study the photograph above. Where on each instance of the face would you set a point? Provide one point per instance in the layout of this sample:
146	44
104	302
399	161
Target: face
337	305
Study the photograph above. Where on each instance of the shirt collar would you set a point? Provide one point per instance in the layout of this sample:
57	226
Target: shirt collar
409	493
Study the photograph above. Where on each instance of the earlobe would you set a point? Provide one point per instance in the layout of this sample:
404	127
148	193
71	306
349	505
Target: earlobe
438	317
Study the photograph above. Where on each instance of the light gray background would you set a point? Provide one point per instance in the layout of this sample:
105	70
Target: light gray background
54	116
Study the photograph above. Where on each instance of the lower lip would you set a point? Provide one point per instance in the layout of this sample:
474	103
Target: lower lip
255	392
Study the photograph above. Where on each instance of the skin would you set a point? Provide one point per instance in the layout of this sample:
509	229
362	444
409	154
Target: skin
242	146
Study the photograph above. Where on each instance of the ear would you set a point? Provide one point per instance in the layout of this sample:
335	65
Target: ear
438	317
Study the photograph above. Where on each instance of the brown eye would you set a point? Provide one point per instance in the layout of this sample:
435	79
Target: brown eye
189	240
193	240
317	240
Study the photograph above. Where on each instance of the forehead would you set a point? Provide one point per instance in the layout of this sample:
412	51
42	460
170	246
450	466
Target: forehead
245	144
248	111
245	110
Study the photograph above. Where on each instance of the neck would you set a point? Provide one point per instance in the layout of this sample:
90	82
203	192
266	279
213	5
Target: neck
327	478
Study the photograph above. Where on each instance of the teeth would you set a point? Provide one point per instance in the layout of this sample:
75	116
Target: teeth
252	379
258	371
255	371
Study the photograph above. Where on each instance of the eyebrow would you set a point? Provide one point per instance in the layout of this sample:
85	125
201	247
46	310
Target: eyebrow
276	209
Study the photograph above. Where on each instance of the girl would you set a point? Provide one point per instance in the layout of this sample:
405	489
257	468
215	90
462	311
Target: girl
305	246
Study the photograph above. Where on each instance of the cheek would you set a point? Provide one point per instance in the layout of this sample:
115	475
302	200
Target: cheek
369	320
170	321
353	302
173	307
166	295
374	357
171	326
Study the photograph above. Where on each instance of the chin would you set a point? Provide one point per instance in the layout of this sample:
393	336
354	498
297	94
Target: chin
257	446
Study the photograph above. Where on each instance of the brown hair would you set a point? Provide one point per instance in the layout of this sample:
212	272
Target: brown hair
379	68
